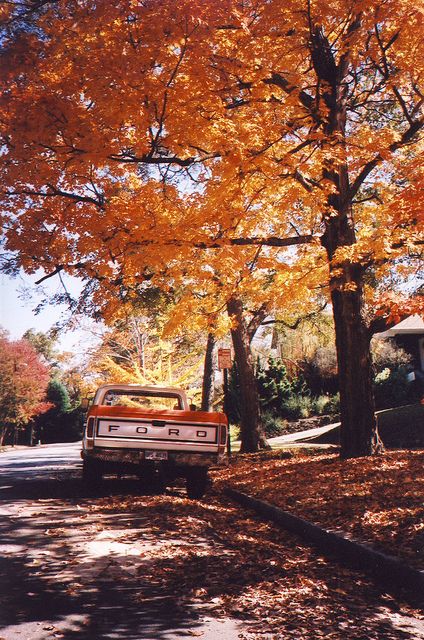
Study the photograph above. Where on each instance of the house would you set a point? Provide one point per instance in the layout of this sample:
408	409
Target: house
409	334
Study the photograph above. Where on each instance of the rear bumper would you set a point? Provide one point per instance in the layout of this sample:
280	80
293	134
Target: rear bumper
132	457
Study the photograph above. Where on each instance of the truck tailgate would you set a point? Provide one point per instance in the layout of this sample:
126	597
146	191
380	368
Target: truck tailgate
170	430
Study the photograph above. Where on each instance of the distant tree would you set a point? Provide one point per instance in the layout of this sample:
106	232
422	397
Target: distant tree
208	374
43	343
59	396
23	384
60	423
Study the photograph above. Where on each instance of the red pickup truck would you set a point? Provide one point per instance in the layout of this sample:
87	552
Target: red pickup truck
154	433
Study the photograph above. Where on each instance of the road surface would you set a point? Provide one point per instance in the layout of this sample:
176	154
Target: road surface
70	572
116	564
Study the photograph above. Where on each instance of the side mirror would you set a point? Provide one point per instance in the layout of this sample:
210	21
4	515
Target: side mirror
192	407
85	403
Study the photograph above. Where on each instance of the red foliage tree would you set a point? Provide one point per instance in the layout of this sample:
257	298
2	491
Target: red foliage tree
23	383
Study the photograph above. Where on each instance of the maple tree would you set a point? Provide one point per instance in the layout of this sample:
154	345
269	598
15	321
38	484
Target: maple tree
214	127
23	384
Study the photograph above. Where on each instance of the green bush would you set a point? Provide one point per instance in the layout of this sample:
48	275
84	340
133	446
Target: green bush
274	385
327	405
392	365
392	389
273	425
297	407
281	398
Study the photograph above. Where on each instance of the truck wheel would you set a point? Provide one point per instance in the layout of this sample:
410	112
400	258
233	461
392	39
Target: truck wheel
91	471
196	483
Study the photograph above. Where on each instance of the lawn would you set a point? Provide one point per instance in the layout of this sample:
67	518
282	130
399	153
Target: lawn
378	500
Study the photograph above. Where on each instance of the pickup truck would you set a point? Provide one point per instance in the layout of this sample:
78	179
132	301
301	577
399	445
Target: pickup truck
154	433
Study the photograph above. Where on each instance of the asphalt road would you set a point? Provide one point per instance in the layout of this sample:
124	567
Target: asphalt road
68	572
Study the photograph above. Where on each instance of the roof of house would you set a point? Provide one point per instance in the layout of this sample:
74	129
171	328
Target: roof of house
411	325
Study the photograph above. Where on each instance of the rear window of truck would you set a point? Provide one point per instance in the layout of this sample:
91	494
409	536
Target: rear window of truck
142	400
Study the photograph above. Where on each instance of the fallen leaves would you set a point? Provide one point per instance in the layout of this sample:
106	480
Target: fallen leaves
218	560
375	499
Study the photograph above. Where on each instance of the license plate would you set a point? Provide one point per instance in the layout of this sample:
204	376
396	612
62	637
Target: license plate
156	455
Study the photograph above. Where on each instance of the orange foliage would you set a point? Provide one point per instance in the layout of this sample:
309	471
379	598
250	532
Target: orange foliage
265	147
224	92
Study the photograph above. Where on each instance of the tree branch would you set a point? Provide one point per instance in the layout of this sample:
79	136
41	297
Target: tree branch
54	192
299	320
369	166
257	320
150	159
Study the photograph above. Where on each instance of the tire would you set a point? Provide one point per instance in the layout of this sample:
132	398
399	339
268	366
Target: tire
92	472
197	482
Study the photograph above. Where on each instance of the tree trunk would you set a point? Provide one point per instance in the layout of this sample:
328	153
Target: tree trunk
208	375
359	435
252	438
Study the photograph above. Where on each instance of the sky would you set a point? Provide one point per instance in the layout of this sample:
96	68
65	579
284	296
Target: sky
20	296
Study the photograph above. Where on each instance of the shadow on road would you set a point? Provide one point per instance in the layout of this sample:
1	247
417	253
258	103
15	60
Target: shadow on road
119	563
49	575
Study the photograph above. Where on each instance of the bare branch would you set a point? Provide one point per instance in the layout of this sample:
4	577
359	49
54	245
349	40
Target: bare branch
151	159
54	192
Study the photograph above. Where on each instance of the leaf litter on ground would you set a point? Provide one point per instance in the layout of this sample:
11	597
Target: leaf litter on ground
213	553
377	500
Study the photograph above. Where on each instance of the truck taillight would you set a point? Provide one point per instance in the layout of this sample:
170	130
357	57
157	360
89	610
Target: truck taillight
222	434
90	427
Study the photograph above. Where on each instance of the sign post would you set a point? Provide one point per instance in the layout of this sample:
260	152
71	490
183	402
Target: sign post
225	363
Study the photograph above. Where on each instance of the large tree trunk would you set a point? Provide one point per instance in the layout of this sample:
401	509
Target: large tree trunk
208	375
359	435
252	438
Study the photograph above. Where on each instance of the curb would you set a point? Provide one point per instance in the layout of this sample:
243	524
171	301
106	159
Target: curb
390	570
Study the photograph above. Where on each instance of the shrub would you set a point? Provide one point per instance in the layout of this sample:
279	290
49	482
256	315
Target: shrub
333	406
386	354
297	407
274	385
392	365
327	405
320	371
392	389
273	425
